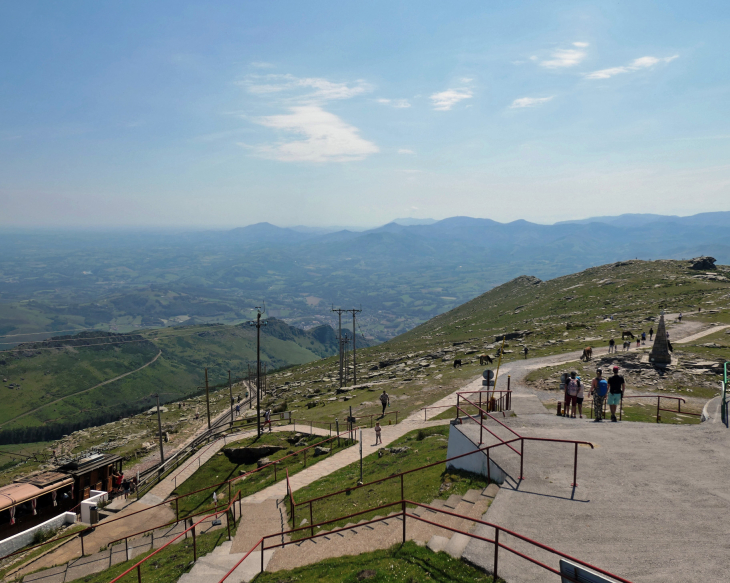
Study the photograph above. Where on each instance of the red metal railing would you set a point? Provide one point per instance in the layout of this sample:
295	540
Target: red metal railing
519	438
500	405
659	408
138	566
404	515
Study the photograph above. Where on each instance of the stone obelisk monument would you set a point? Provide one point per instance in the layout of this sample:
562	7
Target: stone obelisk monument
660	351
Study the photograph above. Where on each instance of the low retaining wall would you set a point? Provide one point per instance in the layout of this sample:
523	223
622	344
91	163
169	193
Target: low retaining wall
476	463
95	497
25	538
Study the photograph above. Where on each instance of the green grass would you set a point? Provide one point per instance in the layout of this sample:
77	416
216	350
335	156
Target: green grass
426	446
406	563
219	469
640	412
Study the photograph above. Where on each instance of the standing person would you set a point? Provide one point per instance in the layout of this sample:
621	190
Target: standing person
238	410
651	333
599	389
611	346
579	398
385	401
571	394
125	487
680	316
378	429
525	351
267	420
616	386
643	338
638	343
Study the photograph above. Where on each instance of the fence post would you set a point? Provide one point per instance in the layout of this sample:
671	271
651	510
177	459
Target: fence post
489	469
311	517
81	536
404	521
195	547
126	548
262	555
402	496
177	512
228	523
657	409
139	573
457	405
522	458
575	468
496	551
509	377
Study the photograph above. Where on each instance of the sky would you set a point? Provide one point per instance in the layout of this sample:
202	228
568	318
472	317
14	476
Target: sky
220	114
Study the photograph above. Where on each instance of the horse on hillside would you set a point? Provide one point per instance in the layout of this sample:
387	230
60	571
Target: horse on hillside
485	359
627	334
457	362
587	354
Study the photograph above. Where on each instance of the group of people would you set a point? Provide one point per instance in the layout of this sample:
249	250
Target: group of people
602	389
640	341
122	485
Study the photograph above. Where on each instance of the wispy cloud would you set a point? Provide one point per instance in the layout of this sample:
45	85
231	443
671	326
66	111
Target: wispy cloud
635	65
262	65
323	89
405	151
327	138
397	103
562	58
529	101
445	100
580	45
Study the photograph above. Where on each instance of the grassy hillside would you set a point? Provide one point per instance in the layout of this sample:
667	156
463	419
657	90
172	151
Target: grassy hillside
49	386
563	314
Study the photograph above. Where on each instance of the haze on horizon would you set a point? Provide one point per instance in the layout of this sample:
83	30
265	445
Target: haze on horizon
187	114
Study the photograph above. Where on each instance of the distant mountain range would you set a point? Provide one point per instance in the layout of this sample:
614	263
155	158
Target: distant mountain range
401	274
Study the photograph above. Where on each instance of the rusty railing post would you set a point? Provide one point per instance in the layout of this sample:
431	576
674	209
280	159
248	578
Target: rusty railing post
522	458
658	399
489	469
228	523
457	405
575	467
262	555
139	573
496	551
509	378
404	521
311	517
81	536
126	549
195	546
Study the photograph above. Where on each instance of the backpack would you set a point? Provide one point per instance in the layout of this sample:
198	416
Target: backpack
602	387
572	386
383	399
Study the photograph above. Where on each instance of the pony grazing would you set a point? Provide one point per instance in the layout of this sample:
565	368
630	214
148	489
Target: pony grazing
485	359
457	362
587	354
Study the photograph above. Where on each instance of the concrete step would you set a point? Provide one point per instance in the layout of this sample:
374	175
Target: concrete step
452	502
437	543
457	544
223	549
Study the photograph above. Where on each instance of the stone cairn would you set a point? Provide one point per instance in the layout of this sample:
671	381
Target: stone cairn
660	351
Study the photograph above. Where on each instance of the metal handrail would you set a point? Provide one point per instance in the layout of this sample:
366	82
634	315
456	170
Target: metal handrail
138	565
403	514
659	408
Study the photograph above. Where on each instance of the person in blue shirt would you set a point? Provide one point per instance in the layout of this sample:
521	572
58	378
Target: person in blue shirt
599	390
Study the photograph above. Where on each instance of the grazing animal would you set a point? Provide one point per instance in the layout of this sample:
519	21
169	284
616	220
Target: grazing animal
457	362
627	334
587	354
485	359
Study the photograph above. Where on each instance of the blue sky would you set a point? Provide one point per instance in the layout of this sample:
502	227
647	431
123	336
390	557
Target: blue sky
344	113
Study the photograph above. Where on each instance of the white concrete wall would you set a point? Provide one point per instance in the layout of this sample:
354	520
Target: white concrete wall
95	497
475	463
25	538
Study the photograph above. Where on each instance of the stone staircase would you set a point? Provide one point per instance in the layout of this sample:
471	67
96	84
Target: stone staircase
361	538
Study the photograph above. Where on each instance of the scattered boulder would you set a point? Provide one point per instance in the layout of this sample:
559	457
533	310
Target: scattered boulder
321	450
294	438
402	449
249	455
262	462
704	262
366	574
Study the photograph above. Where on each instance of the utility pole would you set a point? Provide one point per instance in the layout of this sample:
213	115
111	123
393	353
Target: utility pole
230	390
258	323
207	399
339	338
354	349
159	430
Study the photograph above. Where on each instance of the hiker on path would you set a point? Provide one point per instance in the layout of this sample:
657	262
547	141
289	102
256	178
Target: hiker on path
378	429
571	395
385	401
638	343
680	316
611	346
616	386
267	420
643	338
525	351
238	410
599	389
651	333
125	487
579	398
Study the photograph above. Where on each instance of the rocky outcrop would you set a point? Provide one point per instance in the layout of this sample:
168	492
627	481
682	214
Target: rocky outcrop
249	455
702	263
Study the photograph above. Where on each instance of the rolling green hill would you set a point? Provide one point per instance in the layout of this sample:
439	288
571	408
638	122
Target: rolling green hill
51	388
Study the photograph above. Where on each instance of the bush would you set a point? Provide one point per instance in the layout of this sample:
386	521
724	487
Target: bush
41	536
